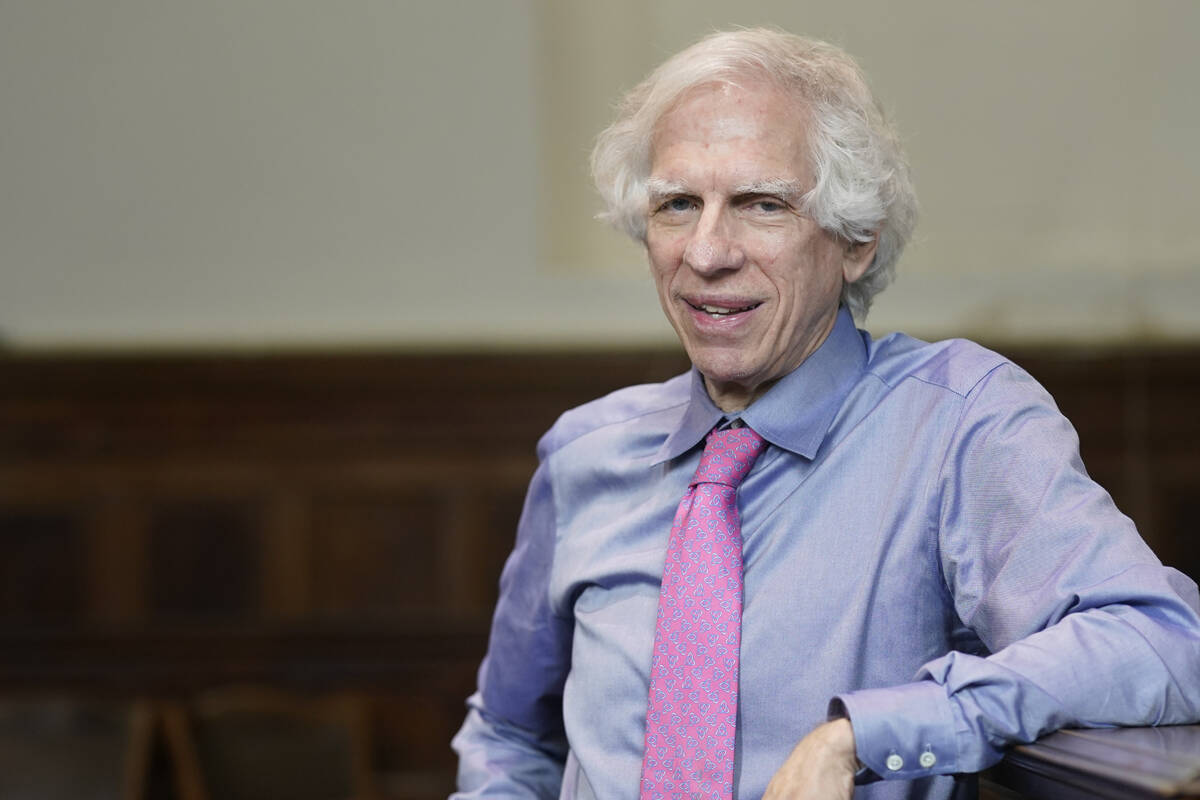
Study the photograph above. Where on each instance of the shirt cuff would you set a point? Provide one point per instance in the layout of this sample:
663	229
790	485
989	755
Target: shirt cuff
901	732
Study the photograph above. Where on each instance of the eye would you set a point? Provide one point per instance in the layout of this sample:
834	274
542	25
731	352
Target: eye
677	205
767	205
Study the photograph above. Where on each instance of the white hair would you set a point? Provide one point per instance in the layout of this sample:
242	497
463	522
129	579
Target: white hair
861	187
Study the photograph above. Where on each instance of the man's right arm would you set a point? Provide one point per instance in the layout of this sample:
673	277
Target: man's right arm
513	743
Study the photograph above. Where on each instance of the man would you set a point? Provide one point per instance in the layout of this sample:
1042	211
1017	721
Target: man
926	572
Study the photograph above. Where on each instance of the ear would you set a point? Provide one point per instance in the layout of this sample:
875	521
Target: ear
856	257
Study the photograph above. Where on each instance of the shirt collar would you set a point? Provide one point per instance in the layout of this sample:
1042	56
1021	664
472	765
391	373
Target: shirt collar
796	412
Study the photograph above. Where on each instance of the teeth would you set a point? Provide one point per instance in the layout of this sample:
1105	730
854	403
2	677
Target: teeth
719	311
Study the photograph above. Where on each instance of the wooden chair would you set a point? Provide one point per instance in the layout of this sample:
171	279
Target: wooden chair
252	743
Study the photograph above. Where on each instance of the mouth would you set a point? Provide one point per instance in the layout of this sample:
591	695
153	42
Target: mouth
721	311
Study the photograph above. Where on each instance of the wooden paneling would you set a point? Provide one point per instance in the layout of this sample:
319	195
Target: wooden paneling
339	521
204	560
376	554
42	569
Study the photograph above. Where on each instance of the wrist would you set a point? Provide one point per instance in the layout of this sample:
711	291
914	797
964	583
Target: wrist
838	736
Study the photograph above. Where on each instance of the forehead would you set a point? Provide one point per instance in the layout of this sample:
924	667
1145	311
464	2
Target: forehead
751	127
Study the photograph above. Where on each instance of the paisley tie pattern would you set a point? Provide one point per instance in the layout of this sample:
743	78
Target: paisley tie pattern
692	713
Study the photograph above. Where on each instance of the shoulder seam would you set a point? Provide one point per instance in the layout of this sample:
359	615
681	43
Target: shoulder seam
560	443
967	392
963	393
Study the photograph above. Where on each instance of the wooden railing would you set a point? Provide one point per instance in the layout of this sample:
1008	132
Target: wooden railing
1114	763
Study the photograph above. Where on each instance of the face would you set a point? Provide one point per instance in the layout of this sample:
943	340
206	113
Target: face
750	284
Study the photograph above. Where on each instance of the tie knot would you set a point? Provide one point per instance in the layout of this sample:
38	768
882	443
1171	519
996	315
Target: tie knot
728	456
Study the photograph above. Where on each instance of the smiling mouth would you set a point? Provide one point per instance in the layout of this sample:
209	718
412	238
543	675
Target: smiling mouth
717	312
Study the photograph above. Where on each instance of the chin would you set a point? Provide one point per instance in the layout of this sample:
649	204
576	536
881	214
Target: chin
724	369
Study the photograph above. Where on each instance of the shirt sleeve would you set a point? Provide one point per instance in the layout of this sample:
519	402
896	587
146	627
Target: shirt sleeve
512	743
1082	625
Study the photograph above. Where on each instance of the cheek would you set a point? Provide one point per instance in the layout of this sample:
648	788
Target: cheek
776	245
800	279
663	256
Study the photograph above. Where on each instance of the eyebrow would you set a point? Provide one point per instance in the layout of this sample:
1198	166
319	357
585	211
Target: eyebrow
779	187
660	187
790	190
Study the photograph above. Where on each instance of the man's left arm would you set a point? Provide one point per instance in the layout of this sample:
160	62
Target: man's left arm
1083	625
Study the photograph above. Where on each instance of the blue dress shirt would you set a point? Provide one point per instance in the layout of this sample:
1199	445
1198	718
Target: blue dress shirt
923	551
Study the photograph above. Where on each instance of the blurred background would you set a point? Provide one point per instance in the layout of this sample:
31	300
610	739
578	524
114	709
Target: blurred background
289	289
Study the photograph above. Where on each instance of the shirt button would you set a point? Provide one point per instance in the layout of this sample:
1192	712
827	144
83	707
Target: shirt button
928	759
894	762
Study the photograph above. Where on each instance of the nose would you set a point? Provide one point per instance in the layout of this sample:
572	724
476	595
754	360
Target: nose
713	246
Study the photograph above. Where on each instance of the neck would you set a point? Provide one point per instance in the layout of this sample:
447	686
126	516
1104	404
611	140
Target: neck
730	397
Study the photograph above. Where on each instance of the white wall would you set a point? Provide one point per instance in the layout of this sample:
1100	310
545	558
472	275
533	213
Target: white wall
411	172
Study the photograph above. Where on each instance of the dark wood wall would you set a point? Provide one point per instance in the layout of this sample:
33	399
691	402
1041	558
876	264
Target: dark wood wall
170	523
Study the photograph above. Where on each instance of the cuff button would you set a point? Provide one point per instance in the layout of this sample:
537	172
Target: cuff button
894	762
927	759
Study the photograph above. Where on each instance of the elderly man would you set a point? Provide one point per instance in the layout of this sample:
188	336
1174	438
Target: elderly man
888	561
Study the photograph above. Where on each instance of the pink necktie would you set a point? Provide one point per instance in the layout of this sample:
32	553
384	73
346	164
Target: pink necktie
692	715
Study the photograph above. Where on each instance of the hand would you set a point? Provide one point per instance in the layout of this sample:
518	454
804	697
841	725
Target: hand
821	767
